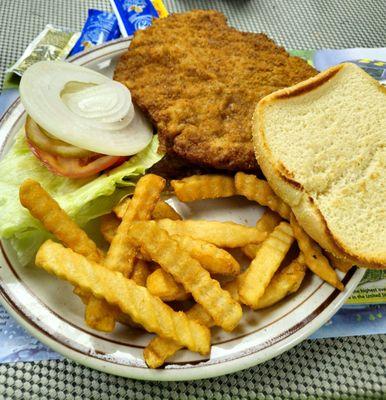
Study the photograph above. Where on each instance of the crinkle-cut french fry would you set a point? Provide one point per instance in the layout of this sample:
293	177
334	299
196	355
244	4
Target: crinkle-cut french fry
136	301
161	284
161	210
284	282
258	190
313	256
212	258
120	209
271	253
100	315
233	288
266	223
199	187
164	210
141	272
338	263
160	349
221	234
84	296
186	270
121	254
44	208
250	250
109	226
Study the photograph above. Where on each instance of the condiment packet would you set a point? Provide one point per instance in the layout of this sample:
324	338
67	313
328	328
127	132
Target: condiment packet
134	15
160	7
53	43
100	27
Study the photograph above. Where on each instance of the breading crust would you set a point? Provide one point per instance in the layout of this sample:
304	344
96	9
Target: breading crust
199	81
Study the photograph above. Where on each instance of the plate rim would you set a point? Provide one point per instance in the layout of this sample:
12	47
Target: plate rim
200	372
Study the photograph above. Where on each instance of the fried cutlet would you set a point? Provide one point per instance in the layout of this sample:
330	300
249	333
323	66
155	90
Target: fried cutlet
199	81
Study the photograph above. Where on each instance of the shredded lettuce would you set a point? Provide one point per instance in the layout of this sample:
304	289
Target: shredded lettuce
84	200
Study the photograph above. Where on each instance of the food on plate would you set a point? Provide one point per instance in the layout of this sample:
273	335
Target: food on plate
157	243
221	234
256	278
109	224
338	263
215	260
99	314
161	210
79	121
259	190
136	301
200	187
141	272
44	208
102	316
160	349
313	256
168	260
121	255
266	223
161	284
284	282
199	81
321	146
82	199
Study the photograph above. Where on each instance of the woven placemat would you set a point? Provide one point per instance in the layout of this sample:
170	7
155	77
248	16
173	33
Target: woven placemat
344	368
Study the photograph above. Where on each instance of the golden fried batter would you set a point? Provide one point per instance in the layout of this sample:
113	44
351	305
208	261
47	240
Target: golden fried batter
199	81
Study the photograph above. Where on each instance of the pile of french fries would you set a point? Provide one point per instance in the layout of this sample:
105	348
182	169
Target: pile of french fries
155	257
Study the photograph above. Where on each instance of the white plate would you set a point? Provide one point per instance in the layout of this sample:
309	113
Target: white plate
46	307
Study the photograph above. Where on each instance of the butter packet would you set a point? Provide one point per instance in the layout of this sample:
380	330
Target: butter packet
134	15
100	27
53	43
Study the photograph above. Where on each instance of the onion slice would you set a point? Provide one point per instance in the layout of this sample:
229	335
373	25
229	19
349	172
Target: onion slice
84	108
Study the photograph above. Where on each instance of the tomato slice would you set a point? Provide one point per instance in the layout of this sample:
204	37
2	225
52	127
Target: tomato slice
75	167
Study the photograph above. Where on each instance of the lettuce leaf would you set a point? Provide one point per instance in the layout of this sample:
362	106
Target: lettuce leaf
83	200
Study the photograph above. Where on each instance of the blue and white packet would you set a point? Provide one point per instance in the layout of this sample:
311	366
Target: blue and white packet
100	27
133	15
